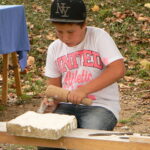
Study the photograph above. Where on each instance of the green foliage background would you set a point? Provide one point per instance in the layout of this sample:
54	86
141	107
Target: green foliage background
121	18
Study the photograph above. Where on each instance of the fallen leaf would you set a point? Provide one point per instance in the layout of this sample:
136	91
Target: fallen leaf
24	71
117	14
125	127
145	64
120	15
31	26
129	79
143	18
95	8
37	8
142	52
146	97
25	86
131	64
148	119
90	19
50	36
119	125
117	34
138	81
147	5
145	27
133	38
122	86
12	98
20	148
145	100
119	20
30	61
42	50
140	17
30	93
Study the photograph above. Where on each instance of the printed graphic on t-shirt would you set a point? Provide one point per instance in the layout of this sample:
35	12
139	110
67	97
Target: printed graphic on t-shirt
87	58
78	77
74	67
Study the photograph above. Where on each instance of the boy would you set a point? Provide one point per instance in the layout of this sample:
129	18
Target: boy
86	61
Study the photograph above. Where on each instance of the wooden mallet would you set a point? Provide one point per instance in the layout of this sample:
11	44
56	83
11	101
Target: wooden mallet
61	95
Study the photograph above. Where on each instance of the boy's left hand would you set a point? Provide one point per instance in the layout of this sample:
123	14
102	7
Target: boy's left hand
76	96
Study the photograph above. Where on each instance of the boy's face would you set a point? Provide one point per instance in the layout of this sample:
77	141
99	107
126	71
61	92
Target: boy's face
70	34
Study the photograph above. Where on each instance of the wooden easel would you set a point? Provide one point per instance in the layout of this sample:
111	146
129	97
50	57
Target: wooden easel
5	76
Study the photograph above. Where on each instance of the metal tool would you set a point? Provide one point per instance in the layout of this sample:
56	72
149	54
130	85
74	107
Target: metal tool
111	133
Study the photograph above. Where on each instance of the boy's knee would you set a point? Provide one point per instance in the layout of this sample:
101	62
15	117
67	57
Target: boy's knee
98	118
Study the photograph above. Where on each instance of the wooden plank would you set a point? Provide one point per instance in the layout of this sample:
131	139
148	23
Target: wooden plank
81	133
5	79
77	139
16	73
142	139
86	134
74	143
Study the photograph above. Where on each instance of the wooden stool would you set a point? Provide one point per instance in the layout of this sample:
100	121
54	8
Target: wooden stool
5	76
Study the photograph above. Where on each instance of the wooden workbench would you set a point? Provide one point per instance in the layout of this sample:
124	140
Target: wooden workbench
79	139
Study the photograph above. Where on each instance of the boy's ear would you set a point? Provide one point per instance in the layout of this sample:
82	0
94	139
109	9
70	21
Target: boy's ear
83	25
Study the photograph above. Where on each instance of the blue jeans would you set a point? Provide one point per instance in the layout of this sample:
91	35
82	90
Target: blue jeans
89	117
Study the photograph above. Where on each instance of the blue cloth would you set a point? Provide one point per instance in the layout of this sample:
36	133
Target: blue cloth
13	32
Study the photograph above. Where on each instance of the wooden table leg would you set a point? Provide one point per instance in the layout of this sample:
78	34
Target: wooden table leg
16	73
5	79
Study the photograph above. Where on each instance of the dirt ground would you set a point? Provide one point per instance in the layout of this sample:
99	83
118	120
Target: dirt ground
135	111
134	115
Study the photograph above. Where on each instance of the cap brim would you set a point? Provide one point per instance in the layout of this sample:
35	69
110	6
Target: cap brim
65	20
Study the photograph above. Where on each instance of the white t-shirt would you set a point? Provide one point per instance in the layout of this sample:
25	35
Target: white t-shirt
80	64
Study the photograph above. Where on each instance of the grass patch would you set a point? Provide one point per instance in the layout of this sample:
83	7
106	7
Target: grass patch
125	121
131	120
145	85
143	74
26	97
2	107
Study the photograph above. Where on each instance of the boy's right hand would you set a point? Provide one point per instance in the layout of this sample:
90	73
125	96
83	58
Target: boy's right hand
76	96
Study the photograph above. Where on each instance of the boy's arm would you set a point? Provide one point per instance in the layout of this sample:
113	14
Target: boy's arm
54	81
111	74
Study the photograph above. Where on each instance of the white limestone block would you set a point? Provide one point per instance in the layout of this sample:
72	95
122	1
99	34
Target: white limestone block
47	126
2	126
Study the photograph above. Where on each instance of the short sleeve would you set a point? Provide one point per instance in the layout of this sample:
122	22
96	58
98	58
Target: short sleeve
107	48
51	69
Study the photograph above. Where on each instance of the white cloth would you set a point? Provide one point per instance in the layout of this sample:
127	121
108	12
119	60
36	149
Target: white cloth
80	64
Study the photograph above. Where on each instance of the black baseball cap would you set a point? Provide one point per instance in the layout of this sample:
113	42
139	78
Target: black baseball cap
73	11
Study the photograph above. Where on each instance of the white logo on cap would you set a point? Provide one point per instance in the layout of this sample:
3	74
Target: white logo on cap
61	8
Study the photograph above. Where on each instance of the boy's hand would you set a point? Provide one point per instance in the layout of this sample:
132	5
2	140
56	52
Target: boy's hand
48	106
76	96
